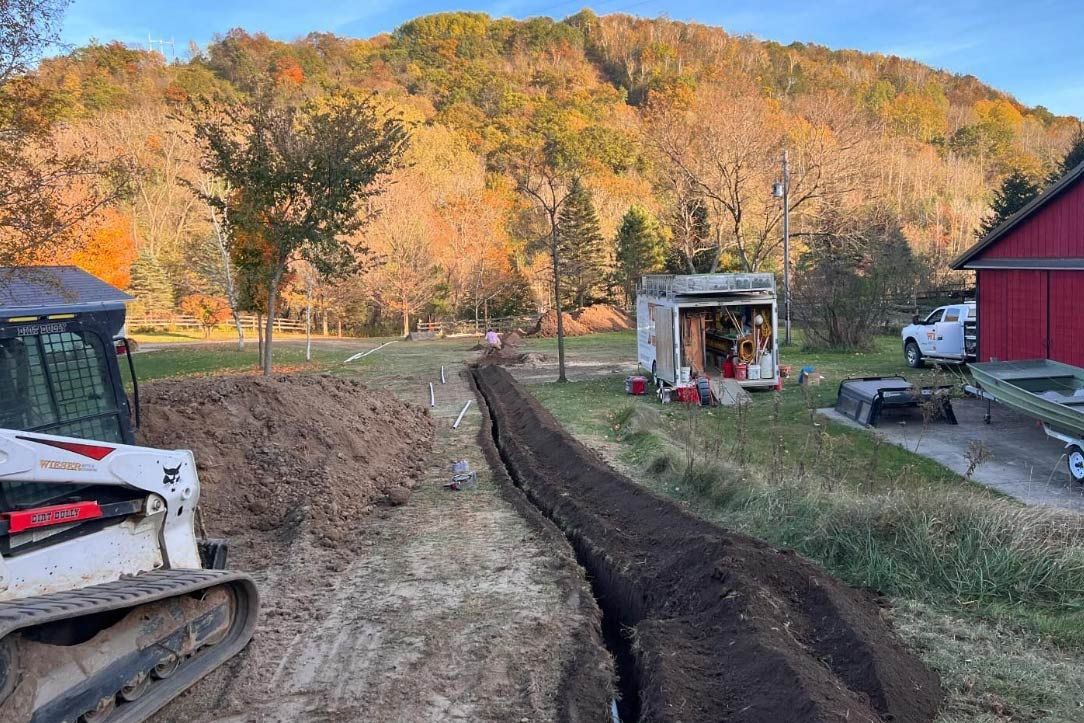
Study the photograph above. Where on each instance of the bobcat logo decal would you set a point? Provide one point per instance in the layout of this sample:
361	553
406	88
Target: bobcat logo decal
173	475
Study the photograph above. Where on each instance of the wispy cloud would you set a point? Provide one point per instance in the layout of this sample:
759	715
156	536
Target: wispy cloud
932	51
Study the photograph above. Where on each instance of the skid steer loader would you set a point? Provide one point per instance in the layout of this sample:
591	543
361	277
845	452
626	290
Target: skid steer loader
109	604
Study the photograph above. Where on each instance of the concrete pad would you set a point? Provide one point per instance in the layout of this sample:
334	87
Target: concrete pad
1023	463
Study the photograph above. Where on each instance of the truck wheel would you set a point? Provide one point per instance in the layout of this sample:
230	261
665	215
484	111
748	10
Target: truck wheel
1075	460
913	355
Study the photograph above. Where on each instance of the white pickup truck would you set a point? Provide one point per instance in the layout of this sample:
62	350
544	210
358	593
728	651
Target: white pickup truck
948	334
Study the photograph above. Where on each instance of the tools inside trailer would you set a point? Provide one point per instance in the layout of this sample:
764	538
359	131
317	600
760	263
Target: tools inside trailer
721	349
737	341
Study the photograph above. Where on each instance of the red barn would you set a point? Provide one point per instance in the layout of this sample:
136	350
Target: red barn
1031	279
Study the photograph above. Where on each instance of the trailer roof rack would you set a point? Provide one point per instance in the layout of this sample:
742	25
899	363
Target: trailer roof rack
692	284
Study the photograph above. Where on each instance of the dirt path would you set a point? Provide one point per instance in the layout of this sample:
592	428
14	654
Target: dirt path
455	607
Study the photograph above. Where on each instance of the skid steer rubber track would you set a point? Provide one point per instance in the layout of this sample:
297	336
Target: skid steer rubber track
123	595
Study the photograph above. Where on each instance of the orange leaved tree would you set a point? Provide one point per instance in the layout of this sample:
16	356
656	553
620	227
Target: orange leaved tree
209	311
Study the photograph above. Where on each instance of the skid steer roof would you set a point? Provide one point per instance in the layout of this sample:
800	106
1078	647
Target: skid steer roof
47	290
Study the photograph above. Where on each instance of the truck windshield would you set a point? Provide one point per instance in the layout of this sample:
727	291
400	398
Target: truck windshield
58	383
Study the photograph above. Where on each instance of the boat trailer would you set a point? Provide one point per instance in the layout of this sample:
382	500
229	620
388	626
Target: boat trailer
1074	445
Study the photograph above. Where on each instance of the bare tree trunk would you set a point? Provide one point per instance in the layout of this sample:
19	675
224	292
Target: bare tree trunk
272	297
259	338
554	243
406	323
339	326
227	271
325	321
308	320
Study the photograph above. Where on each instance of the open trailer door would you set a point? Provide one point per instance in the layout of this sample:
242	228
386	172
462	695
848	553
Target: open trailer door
665	350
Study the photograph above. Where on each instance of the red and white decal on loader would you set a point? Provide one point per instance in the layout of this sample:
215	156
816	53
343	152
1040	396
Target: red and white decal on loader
161	535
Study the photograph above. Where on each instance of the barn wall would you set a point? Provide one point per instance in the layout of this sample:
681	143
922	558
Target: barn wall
1055	231
1067	316
1026	314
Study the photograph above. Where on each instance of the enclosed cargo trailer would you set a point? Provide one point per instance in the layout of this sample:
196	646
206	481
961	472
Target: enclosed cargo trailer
712	325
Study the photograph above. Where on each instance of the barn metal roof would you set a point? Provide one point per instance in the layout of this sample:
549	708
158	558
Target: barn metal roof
55	290
1019	217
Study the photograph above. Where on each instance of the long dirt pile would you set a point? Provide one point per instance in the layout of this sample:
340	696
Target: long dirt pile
724	627
275	455
590	320
603	317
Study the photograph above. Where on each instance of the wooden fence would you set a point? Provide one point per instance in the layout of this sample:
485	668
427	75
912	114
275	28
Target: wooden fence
475	327
184	321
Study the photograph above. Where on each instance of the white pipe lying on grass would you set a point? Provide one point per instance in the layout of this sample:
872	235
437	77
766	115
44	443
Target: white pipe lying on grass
360	354
461	413
432	396
442	374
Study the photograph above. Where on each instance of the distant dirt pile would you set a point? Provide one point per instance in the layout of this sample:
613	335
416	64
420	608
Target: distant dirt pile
717	625
283	454
603	317
512	338
547	325
590	320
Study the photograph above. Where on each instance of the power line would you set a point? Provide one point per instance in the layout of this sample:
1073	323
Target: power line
162	43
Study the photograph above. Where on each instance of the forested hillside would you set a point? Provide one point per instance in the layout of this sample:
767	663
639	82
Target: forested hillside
666	138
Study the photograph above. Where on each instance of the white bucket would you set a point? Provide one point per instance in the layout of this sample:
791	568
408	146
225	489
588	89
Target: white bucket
767	368
754	371
684	375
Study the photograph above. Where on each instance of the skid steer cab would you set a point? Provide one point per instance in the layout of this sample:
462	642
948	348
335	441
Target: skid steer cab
59	374
109	604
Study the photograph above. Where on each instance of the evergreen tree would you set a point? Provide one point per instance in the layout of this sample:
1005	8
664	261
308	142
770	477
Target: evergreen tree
1073	157
582	252
640	248
150	285
1016	190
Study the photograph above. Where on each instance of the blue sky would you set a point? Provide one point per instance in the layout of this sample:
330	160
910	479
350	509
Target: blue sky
1030	49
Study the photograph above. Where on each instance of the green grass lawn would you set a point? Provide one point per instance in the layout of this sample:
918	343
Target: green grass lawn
225	358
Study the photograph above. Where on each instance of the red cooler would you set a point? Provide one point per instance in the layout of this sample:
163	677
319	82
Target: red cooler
636	385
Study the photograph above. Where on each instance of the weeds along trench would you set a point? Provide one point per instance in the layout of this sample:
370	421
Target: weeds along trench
705	624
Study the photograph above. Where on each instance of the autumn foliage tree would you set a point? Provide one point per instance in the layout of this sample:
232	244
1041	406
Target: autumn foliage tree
106	248
47	188
209	311
683	119
300	172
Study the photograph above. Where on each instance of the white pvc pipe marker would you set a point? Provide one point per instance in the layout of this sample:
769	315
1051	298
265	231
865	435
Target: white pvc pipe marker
362	354
442	374
432	396
461	413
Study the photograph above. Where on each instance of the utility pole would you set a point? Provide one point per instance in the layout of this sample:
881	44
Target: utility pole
782	190
786	245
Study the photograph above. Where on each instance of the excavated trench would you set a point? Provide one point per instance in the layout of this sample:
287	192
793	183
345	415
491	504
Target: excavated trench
704	624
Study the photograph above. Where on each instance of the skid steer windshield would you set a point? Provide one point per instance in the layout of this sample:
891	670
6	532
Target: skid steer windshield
55	383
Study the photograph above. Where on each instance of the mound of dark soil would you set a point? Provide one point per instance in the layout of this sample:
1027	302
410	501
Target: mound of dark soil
724	627
276	455
593	319
508	357
603	317
546	326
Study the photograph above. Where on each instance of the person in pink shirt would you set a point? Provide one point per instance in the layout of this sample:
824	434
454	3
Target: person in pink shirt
493	339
